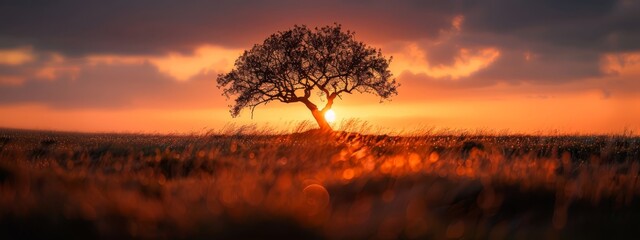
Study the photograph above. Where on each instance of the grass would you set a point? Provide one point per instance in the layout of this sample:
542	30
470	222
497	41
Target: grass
234	185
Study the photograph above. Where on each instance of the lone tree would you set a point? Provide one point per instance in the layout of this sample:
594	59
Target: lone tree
289	66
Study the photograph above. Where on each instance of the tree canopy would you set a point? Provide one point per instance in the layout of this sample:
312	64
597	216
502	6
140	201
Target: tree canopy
289	66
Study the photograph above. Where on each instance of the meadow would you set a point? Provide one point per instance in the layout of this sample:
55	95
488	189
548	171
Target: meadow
308	185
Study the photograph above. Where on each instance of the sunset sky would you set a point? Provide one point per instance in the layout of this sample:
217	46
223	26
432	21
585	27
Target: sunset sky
150	65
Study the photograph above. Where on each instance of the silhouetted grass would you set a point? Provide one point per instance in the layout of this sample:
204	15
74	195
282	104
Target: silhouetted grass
237	185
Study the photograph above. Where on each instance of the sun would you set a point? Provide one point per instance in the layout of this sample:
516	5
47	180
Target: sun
330	116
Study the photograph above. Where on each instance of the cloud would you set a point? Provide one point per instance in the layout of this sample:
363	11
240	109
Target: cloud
117	85
206	58
177	65
621	63
566	38
465	62
173	80
539	42
16	56
27	64
81	54
623	71
146	27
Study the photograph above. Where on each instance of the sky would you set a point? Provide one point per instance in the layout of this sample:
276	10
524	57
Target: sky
149	66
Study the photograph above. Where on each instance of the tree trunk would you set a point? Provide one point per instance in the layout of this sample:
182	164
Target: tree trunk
322	122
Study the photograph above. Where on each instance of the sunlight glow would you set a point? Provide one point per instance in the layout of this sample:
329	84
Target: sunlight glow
17	56
182	67
330	116
203	60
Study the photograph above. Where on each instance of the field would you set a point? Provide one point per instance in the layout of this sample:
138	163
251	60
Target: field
318	186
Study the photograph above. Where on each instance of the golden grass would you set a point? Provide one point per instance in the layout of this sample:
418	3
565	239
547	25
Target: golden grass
308	185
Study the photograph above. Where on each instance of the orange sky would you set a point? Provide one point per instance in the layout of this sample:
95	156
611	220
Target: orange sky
518	109
460	74
568	114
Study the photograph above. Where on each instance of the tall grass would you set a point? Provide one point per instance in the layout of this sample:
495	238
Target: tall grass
254	182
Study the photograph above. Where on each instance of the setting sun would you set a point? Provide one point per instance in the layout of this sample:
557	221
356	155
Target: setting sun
330	116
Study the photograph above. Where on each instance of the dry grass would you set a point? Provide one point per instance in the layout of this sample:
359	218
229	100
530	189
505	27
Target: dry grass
308	185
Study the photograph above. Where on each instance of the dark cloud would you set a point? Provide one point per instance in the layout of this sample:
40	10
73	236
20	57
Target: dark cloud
117	86
442	53
541	67
157	26
565	41
571	24
511	16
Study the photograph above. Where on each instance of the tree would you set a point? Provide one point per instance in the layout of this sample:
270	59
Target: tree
290	66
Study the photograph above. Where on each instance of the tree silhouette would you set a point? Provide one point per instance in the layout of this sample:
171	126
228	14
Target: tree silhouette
289	66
